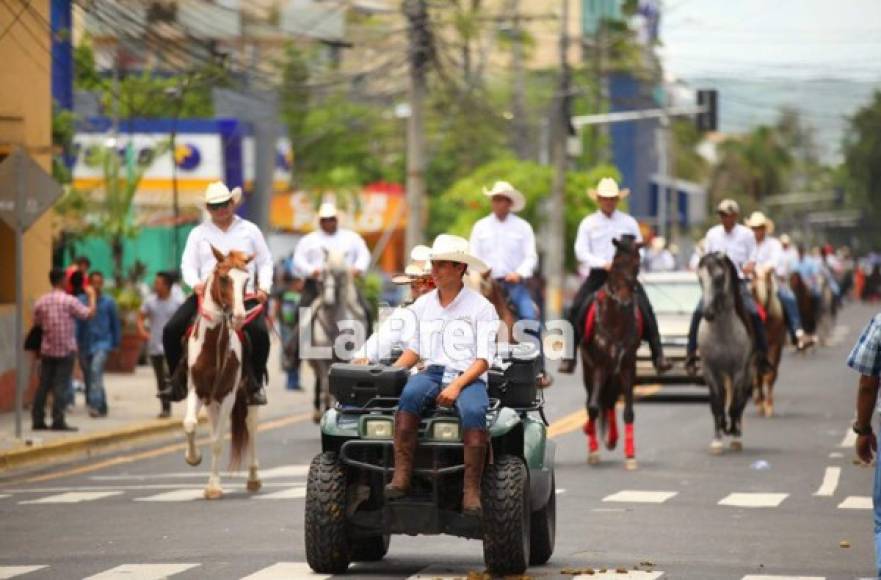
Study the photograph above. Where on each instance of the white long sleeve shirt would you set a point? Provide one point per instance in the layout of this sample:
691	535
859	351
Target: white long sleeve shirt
506	246
739	244
769	254
309	253
198	262
593	244
456	335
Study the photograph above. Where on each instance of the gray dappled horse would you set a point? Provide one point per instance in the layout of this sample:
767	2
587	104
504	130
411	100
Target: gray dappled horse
337	302
725	344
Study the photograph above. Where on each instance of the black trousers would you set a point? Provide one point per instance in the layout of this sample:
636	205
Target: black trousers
258	336
161	374
55	375
584	296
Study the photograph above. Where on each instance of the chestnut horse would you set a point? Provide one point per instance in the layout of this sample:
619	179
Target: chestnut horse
488	287
764	290
608	352
214	359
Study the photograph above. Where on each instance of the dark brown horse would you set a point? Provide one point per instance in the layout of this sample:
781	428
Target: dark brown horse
764	290
608	352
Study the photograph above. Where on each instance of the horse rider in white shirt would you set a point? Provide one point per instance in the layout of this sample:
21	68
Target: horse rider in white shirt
506	243
739	244
389	338
771	256
225	231
594	248
457	340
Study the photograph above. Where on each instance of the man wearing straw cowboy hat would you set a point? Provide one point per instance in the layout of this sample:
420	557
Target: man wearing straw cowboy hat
456	338
391	333
594	249
225	231
771	256
506	243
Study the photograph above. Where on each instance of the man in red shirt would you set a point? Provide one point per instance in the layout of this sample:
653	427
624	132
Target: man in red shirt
54	313
81	264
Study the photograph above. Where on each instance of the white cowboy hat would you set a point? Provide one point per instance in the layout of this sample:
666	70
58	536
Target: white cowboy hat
607	187
419	266
759	220
451	248
785	239
728	207
327	210
218	192
505	189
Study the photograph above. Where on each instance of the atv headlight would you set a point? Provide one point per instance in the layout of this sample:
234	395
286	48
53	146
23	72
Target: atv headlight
377	428
445	431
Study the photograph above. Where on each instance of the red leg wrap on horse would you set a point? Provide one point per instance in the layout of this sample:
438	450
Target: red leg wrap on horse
629	444
591	431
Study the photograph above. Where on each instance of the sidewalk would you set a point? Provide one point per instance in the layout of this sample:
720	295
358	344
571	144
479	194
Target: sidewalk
133	411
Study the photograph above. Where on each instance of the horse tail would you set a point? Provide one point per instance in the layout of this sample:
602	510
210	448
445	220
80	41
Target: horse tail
239	428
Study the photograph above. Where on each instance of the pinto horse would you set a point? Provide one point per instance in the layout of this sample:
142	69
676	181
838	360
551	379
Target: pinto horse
608	353
215	364
725	343
764	290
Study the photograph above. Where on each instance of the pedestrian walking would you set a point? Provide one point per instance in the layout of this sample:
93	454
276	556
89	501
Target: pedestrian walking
865	358
55	313
286	301
155	313
96	338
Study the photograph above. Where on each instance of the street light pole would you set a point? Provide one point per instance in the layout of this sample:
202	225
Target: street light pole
419	55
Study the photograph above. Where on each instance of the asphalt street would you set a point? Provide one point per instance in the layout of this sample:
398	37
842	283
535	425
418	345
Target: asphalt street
791	504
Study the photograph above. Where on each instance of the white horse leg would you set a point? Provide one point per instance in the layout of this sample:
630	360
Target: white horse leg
254	483
191	419
218	415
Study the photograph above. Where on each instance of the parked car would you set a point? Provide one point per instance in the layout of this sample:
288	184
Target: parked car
674	296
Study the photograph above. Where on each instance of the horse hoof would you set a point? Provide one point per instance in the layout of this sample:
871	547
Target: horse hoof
593	458
630	464
769	411
716	447
254	485
213	493
193	461
736	445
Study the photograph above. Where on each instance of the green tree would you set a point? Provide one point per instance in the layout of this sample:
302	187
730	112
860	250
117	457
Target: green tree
862	164
294	96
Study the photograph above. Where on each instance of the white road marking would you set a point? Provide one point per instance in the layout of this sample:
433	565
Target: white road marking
440	572
286	571
771	577
850	439
830	482
629	496
72	497
13	571
614	575
4	496
856	502
145	487
560	490
836	455
292	493
294	470
142	571
177	495
754	500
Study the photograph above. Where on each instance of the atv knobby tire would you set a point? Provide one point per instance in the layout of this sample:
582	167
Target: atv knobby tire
328	550
543	529
372	549
505	501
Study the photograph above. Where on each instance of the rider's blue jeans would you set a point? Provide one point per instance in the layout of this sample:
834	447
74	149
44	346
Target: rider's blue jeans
423	388
758	326
525	307
790	306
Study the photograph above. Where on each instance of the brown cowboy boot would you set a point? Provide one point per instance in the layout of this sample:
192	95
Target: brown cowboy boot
475	457
406	434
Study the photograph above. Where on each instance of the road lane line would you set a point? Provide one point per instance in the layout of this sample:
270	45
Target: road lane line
292	493
615	575
13	571
293	470
286	571
142	571
830	482
754	500
850	439
4	495
176	495
72	497
836	455
772	577
856	502
630	496
575	421
145	487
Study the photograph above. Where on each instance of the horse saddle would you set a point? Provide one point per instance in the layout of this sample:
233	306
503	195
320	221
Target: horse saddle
590	319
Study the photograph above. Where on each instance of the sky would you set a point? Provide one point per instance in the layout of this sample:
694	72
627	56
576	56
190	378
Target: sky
772	38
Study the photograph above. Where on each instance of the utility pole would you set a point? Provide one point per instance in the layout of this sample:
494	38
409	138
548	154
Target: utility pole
555	250
419	55
518	74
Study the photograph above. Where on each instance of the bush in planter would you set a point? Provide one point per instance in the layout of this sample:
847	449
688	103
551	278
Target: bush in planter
128	302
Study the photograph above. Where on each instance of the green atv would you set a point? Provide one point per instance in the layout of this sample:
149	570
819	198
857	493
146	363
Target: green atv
349	520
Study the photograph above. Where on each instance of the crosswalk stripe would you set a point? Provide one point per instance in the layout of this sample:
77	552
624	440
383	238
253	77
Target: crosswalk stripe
850	439
293	470
830	482
176	495
615	575
4	495
72	497
286	571
772	577
630	496
754	500
13	571
142	572
856	502
292	493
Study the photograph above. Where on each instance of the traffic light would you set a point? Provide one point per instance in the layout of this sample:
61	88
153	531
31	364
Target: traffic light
708	120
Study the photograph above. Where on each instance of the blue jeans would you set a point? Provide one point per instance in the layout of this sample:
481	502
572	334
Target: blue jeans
790	307
522	300
876	508
93	371
423	388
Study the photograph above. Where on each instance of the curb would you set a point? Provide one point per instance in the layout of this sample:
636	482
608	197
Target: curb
87	444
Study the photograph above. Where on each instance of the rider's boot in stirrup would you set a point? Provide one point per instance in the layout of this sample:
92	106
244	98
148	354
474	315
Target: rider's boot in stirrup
406	435
475	457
